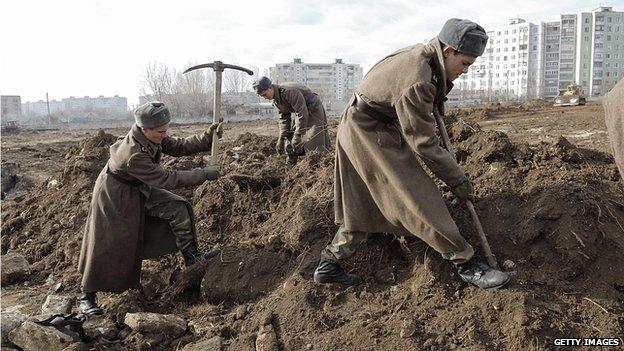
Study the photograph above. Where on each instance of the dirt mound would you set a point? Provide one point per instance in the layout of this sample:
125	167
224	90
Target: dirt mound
495	109
554	215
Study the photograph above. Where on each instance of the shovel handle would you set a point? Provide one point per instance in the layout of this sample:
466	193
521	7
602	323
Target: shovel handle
489	256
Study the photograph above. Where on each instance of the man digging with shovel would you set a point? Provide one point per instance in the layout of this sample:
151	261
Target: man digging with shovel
380	186
132	217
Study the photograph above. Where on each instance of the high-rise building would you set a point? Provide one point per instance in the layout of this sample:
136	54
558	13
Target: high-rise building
551	37
527	61
10	108
333	82
509	68
600	50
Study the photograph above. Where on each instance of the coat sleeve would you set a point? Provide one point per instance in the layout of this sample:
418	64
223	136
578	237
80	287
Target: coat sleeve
298	103
187	146
414	108
141	167
284	123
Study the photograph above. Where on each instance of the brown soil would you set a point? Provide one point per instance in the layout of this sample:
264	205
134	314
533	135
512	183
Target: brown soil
553	212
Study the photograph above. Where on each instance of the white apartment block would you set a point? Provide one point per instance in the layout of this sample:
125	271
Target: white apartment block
333	82
527	61
114	104
507	70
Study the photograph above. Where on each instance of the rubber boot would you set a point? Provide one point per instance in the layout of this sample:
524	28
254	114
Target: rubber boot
331	272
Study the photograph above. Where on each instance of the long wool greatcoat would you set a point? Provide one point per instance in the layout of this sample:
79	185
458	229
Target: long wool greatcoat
310	119
613	104
118	235
379	184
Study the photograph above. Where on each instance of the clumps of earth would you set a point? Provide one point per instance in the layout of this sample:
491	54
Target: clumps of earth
553	213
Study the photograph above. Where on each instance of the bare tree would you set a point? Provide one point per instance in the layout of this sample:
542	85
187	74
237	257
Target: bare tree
235	81
156	81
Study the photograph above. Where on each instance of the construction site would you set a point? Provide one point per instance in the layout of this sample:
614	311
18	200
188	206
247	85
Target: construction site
548	193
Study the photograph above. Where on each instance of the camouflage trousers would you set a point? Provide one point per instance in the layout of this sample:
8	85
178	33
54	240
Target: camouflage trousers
345	244
178	217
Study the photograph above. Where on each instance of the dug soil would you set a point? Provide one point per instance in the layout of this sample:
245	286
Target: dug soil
553	213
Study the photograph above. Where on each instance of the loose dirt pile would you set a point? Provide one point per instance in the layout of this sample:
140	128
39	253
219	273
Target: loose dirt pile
554	214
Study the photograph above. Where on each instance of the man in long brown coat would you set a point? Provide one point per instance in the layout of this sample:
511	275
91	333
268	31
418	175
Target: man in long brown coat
379	183
132	217
308	130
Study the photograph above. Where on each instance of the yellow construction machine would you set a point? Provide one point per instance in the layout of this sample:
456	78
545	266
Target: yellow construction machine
573	96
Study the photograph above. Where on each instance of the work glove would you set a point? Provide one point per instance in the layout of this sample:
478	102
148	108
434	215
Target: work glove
216	128
297	143
211	172
279	147
464	191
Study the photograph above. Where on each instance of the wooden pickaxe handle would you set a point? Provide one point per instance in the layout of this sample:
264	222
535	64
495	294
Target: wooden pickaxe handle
218	68
489	256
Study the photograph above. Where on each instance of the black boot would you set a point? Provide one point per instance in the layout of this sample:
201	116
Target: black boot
87	304
192	255
480	274
330	272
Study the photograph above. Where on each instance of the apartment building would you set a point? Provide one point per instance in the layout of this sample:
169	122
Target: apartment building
508	70
334	82
10	108
527	61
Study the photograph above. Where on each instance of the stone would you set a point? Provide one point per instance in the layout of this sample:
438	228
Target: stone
77	346
9	322
31	336
240	312
408	329
266	340
15	268
212	344
509	265
55	304
100	327
155	323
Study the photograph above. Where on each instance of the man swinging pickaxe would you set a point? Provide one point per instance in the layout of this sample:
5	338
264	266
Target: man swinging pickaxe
218	68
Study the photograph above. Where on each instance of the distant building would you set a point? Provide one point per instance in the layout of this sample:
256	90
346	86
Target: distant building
600	50
40	108
508	70
114	105
333	82
10	108
527	61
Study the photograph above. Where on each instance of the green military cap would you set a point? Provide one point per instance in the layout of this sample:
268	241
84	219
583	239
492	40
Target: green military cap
152	114
464	36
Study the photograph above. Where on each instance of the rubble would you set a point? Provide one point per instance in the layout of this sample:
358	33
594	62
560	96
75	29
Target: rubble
31	336
155	323
15	268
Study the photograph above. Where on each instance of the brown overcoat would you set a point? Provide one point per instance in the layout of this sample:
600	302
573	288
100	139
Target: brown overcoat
379	184
613	104
310	119
118	235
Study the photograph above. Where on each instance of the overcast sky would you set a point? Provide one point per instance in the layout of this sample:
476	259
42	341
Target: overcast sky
93	47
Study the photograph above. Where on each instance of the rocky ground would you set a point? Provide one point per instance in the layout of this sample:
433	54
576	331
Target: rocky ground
549	197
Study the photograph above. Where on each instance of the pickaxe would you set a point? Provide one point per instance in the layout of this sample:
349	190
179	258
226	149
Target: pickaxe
218	68
489	256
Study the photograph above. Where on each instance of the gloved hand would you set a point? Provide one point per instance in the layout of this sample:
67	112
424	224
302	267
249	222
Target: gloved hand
216	128
296	142
212	172
279	147
463	191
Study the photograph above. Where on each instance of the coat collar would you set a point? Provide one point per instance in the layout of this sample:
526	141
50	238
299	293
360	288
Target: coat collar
146	145
435	49
277	98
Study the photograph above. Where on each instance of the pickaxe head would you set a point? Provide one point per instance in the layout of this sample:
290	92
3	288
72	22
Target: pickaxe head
219	66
